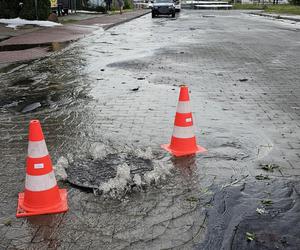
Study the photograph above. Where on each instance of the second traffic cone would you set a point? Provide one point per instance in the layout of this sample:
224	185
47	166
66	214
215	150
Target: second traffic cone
183	141
41	194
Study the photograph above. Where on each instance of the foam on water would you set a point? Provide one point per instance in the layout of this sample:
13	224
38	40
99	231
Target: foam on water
100	150
116	186
60	168
137	180
124	182
144	153
114	169
160	172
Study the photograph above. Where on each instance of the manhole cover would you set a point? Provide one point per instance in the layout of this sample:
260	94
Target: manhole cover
91	173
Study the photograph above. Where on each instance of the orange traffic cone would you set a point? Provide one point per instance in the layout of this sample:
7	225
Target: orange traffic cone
41	195
183	141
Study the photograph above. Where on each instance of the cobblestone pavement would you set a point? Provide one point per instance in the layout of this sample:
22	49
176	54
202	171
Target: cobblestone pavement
243	74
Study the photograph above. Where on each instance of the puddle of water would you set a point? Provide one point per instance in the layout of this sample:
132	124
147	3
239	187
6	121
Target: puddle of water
26	104
10	68
242	210
47	84
23	81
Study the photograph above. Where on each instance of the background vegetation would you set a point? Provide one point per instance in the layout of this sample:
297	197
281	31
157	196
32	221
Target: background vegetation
271	8
25	9
9	9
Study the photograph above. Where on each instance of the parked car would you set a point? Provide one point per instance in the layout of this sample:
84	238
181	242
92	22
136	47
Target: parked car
177	5
163	7
149	3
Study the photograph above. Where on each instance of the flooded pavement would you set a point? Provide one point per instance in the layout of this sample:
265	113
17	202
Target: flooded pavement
255	215
107	102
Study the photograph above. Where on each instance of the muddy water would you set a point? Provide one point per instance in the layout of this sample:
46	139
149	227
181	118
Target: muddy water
106	103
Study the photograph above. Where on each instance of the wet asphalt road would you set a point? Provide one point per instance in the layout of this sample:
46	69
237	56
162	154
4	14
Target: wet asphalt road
243	73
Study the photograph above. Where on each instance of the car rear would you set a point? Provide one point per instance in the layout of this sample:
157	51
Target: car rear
163	7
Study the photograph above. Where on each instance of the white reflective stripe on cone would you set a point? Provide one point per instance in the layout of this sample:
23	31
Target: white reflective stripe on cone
183	107
37	149
37	183
183	132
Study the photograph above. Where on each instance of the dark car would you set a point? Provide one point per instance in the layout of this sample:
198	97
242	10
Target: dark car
163	7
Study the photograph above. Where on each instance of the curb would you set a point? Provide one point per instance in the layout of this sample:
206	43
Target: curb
275	16
125	21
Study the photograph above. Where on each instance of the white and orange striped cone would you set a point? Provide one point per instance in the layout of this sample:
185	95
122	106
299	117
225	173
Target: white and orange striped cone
183	141
41	194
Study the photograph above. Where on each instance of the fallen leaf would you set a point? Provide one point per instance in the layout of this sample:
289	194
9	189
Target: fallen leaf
260	210
267	202
135	89
269	167
250	236
192	199
262	177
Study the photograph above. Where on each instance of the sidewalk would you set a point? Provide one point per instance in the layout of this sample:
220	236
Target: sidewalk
31	43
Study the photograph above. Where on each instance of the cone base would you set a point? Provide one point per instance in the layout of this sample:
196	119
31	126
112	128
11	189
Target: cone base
60	208
177	153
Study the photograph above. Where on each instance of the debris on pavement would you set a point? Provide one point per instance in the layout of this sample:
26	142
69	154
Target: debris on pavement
250	236
31	107
269	167
135	89
262	177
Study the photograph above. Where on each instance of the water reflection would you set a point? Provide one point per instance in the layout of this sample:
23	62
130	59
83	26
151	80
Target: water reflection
186	165
45	228
53	90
